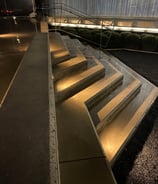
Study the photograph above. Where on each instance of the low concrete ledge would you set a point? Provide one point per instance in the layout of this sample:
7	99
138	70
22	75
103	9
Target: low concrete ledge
24	120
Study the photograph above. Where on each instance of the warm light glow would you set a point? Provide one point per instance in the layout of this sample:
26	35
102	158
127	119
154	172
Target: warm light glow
11	35
18	40
58	52
109	149
106	23
134	29
67	83
109	144
124	24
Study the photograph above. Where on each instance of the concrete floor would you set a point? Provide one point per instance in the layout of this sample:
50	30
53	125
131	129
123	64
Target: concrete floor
15	36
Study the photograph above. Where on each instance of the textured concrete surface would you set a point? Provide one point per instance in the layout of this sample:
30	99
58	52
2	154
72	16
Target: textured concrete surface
138	163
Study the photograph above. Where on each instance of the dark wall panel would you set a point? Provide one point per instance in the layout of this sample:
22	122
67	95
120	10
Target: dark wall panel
16	6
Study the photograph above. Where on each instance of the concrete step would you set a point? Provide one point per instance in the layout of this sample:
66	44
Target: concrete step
70	45
69	66
116	134
58	49
85	50
79	44
102	88
79	148
110	110
68	86
124	106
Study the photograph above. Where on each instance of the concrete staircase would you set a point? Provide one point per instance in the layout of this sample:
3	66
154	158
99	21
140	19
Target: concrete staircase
99	104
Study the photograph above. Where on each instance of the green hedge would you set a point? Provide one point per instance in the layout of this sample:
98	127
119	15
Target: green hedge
124	40
149	42
70	30
115	39
85	33
156	37
96	36
133	41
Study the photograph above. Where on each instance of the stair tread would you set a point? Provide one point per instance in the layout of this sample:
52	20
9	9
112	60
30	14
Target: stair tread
118	100
116	134
69	81
60	54
100	86
70	62
104	85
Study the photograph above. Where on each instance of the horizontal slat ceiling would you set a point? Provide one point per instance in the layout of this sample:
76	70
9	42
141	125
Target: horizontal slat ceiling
131	8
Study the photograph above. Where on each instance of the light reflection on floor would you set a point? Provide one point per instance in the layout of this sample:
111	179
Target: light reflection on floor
15	36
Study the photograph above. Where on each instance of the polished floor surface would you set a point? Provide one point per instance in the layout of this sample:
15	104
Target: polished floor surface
15	36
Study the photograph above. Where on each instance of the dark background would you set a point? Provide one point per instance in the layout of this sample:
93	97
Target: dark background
19	7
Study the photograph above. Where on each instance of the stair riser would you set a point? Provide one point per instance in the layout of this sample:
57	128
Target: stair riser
60	74
60	96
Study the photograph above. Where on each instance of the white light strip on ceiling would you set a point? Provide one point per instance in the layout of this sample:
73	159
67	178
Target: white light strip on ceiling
117	28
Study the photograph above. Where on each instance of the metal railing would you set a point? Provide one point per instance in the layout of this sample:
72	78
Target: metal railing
58	12
62	9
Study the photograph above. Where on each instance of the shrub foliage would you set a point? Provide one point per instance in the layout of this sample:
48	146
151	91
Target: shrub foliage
114	39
